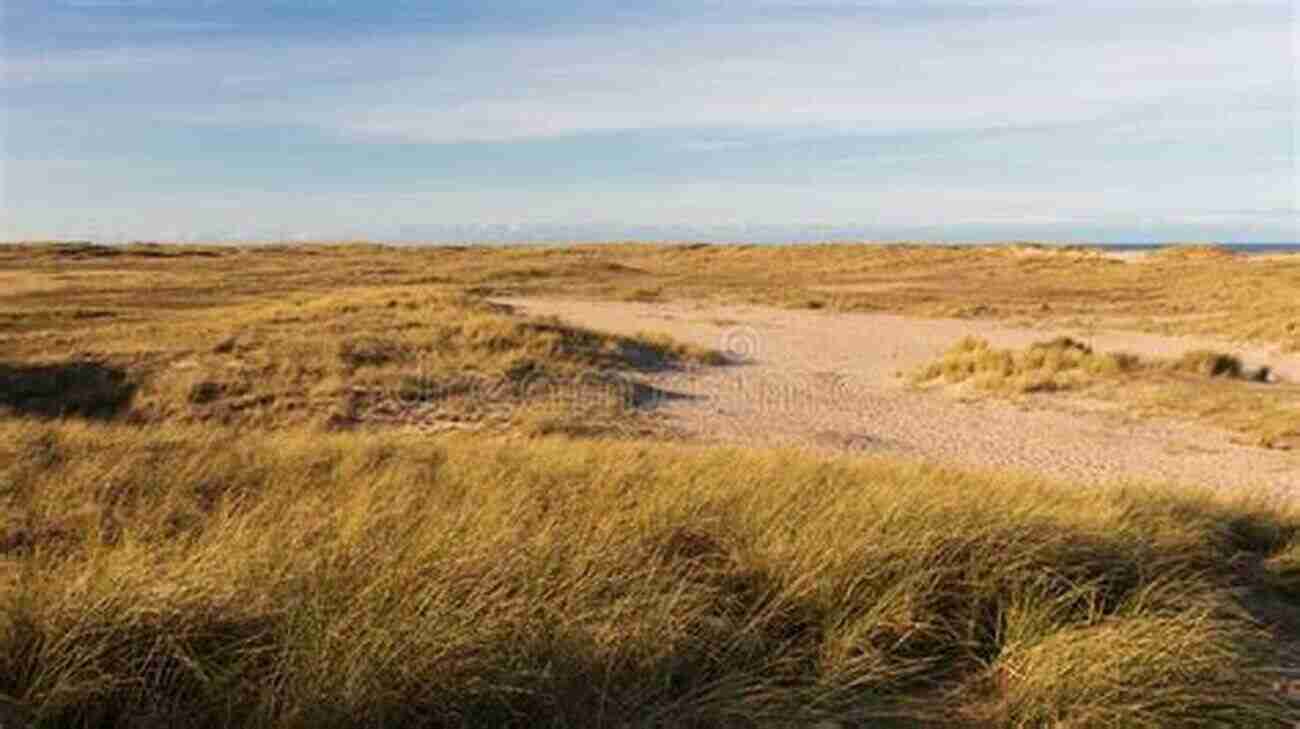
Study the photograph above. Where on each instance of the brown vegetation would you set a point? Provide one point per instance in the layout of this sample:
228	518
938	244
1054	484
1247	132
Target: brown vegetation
205	520
1192	290
211	348
1209	386
152	576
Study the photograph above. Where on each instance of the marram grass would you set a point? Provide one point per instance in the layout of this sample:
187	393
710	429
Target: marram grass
192	576
1200	385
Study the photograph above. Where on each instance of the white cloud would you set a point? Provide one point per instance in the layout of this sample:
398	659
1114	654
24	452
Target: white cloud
1048	67
1058	100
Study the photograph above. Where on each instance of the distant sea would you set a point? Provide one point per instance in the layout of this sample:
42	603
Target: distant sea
1246	248
753	235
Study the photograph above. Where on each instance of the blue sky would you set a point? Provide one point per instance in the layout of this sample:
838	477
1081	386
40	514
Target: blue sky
957	120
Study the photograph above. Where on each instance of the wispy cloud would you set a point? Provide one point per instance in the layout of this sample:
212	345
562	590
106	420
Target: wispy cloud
765	109
860	74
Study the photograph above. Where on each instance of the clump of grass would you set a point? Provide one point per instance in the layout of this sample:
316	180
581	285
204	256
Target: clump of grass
1205	385
668	350
1113	673
369	351
379	579
1283	569
1066	363
1058	364
1210	364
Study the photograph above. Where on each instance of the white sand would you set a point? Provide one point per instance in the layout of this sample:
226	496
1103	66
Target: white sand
829	380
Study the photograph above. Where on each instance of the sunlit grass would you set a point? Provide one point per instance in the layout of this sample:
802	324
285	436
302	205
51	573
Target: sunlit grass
1191	290
221	503
190	574
1203	385
401	354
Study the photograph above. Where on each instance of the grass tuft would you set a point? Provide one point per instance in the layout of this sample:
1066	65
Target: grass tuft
1203	385
1209	364
1058	364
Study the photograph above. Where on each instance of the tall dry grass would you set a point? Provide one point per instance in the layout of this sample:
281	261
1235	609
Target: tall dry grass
160	576
182	545
1201	385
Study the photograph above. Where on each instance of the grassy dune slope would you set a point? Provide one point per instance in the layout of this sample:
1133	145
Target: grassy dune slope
354	579
1183	291
1205	385
208	519
352	334
415	353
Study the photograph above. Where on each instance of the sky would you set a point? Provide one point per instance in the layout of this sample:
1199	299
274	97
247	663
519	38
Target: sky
958	120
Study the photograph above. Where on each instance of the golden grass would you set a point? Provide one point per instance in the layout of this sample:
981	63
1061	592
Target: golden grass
412	354
183	543
1057	364
1203	385
155	575
1193	290
356	333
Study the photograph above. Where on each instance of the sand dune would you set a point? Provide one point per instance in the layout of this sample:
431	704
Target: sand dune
831	380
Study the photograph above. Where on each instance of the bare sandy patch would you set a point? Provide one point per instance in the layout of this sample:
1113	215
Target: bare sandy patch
21	283
1127	256
864	288
827	380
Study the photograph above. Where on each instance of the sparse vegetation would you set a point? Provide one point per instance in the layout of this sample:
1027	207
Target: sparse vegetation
1209	386
1057	364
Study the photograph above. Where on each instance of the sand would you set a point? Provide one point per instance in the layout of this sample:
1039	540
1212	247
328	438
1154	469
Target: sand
830	380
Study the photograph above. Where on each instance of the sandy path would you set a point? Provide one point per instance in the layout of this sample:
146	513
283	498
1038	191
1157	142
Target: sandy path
829	380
